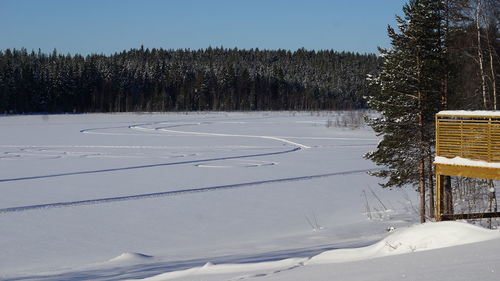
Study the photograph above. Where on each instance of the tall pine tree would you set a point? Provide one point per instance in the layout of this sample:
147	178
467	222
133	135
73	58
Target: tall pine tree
408	98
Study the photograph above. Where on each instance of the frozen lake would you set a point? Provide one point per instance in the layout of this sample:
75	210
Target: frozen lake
183	189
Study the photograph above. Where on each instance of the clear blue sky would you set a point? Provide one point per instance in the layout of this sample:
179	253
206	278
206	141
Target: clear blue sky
107	26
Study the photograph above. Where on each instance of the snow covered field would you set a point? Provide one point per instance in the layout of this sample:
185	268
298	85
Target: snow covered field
131	196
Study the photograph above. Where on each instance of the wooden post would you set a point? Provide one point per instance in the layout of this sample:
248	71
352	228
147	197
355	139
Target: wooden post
439	196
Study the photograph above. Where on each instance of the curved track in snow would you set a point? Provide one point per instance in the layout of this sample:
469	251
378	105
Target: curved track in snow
175	192
149	166
144	128
168	130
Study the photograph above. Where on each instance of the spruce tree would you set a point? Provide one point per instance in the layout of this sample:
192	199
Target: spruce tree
408	98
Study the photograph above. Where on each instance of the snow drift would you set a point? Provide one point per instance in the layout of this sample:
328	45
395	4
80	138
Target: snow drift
421	237
130	258
415	238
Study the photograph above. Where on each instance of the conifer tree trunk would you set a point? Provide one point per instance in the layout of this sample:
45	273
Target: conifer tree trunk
430	174
421	170
421	138
421	187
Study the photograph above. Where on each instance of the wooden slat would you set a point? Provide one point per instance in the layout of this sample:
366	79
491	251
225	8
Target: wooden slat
473	137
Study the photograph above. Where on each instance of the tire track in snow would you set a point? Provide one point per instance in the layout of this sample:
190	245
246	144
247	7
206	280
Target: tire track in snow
141	127
175	192
94	131
148	166
178	123
164	129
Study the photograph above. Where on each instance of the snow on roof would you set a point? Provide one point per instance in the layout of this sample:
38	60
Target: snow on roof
464	162
469	113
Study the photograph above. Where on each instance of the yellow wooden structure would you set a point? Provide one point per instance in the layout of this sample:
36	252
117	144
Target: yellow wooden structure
474	137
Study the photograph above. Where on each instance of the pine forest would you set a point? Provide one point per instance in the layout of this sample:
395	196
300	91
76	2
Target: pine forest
183	80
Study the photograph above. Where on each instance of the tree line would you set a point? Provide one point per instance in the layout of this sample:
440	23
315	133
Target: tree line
184	80
444	55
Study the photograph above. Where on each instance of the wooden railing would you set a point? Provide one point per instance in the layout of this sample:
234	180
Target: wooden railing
474	137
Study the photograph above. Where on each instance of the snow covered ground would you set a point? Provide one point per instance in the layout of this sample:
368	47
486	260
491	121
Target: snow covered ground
479	261
131	196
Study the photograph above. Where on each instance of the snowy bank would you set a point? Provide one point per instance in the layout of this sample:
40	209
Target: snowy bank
413	239
421	237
